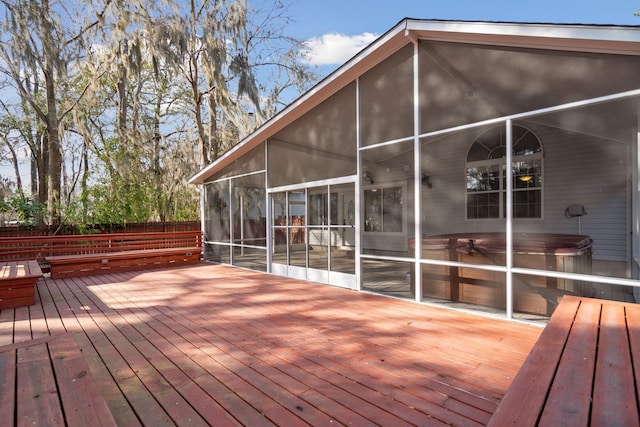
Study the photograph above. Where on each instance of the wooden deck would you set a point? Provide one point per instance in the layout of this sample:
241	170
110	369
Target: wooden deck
53	385
215	345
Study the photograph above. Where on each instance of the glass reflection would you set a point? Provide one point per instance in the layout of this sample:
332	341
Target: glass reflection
251	258
217	212
249	219
391	278
342	231
279	228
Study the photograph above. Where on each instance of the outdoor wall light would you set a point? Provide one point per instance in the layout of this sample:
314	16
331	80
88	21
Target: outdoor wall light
426	181
576	211
367	176
573	211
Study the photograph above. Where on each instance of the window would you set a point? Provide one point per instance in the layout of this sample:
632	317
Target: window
383	210
486	175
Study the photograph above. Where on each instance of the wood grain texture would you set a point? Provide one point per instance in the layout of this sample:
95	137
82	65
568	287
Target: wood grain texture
594	379
216	345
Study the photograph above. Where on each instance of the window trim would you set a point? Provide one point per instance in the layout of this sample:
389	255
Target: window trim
501	162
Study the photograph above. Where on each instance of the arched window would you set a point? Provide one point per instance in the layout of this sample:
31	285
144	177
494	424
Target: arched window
486	175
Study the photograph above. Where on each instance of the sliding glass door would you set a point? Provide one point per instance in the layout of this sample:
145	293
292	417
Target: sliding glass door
313	234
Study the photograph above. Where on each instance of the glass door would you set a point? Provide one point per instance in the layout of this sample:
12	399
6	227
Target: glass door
297	233
342	260
318	249
313	234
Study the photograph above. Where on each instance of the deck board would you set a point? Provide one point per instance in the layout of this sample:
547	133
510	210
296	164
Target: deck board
592	382
614	395
37	402
7	376
633	328
211	344
80	397
571	381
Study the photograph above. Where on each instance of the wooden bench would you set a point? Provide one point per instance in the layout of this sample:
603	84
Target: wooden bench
46	381
77	255
17	283
583	370
110	262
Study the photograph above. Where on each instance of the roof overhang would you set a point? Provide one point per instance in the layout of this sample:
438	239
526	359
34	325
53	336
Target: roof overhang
624	40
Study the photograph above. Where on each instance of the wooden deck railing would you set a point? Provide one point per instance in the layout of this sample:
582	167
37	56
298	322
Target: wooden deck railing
56	230
40	247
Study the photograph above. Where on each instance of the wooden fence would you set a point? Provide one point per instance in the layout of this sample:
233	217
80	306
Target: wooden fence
25	231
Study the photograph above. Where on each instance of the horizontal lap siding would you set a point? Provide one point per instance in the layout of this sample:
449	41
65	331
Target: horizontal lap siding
597	170
397	172
444	207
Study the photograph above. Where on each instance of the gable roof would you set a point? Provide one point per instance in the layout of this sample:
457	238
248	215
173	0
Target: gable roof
611	39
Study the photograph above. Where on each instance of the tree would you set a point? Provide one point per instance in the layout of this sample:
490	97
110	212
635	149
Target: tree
146	93
39	43
7	126
133	137
227	46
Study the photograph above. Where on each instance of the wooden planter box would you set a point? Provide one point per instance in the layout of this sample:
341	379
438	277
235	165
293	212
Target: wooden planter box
17	283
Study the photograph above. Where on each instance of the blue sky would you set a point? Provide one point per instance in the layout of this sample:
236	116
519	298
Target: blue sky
315	18
340	28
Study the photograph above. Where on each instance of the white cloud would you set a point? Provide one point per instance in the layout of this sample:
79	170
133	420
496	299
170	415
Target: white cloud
335	49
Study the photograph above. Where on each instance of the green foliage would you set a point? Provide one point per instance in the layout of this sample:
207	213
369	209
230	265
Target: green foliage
132	202
180	205
25	209
119	204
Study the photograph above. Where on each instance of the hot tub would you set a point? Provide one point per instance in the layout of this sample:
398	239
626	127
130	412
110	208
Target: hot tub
532	294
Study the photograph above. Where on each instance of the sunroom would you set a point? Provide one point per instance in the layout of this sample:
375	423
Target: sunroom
490	166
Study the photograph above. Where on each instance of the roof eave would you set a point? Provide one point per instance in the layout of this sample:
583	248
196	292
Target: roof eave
594	38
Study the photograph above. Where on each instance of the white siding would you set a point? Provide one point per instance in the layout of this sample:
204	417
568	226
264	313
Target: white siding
594	173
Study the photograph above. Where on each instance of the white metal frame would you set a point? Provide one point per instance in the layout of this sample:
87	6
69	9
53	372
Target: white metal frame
509	269
336	278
